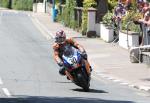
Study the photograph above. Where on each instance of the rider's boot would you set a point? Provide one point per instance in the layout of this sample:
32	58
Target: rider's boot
62	71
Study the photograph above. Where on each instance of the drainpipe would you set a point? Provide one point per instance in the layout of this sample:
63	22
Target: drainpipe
44	5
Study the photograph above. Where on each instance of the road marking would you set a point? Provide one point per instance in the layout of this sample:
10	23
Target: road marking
131	85
124	83
116	80
110	78
146	88
42	28
94	56
5	90
1	82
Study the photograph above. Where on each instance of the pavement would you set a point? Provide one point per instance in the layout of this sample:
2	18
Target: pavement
108	60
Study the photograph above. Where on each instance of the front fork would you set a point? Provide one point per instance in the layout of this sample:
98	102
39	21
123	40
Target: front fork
87	66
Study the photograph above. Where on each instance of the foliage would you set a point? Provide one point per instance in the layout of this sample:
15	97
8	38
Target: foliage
131	16
4	3
22	4
79	3
86	4
112	4
38	1
107	18
68	14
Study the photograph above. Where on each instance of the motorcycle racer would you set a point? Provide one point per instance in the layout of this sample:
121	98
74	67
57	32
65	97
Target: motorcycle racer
58	47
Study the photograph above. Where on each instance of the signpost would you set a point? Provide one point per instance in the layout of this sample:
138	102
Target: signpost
53	11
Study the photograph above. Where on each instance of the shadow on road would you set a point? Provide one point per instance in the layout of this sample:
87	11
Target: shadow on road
90	91
39	99
82	37
62	82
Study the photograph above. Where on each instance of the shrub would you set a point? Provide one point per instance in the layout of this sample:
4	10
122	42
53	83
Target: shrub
107	18
22	4
130	16
68	14
4	3
112	4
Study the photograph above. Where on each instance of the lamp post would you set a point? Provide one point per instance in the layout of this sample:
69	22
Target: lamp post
44	5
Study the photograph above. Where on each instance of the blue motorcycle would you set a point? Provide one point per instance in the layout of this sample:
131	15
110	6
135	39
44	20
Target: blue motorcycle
75	68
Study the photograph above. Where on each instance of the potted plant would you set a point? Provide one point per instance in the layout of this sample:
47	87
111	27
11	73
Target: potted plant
129	35
106	30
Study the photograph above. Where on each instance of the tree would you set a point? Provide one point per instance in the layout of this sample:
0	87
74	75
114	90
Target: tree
102	7
79	3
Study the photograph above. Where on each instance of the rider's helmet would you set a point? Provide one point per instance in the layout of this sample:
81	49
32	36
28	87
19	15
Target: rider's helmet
60	37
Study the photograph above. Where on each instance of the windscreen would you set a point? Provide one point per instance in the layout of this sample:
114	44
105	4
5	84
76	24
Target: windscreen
68	51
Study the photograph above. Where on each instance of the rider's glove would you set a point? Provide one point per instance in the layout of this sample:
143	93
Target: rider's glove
62	68
60	64
84	55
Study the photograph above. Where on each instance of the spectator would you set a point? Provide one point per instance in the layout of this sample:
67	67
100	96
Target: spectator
146	13
119	11
140	5
145	22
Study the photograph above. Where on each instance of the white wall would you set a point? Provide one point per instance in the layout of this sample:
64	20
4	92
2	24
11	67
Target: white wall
41	7
133	40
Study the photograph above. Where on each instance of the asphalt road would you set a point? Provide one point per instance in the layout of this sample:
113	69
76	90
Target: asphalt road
28	73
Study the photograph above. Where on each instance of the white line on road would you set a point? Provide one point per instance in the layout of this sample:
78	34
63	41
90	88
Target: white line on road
146	88
1	82
48	34
6	92
116	80
124	83
95	77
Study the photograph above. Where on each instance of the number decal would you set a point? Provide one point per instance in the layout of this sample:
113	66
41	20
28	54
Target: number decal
73	60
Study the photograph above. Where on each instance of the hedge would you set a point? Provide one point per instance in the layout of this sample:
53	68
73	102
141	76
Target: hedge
22	4
4	3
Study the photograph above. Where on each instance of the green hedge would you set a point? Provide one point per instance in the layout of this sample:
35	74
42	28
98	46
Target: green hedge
68	14
4	3
22	4
112	4
17	4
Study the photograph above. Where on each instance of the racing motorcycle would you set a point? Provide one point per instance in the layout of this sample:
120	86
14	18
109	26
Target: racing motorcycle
75	68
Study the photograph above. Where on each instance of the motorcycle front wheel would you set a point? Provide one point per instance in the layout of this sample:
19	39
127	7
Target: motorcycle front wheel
83	82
